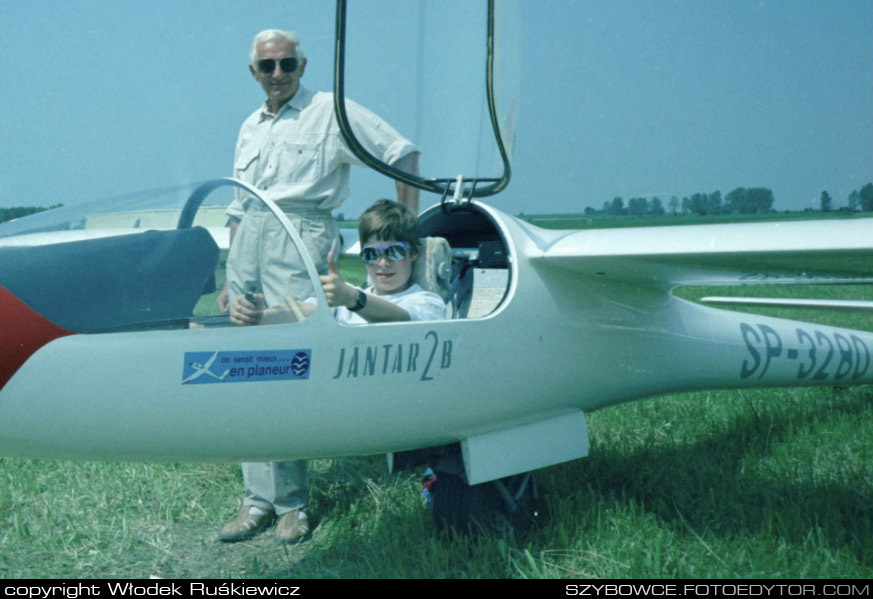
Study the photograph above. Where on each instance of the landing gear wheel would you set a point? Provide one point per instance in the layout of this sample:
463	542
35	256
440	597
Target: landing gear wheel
520	500
459	506
508	503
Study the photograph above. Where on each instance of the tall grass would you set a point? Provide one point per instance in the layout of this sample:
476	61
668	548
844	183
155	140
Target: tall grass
769	483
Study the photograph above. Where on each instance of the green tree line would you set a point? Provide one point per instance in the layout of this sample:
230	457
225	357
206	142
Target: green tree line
19	211
742	200
862	198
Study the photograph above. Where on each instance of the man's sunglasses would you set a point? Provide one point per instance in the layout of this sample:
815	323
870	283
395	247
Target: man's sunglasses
394	252
288	64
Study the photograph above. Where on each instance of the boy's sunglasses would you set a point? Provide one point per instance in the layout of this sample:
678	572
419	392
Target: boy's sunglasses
394	252
288	64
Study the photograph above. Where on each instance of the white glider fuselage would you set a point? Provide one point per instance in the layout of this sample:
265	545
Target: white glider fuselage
576	330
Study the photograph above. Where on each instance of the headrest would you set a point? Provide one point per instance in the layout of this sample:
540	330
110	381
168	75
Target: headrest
433	269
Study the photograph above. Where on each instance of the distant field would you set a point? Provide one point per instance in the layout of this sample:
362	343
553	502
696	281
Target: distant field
753	484
599	221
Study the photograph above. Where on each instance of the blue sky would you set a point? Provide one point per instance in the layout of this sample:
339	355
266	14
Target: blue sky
619	98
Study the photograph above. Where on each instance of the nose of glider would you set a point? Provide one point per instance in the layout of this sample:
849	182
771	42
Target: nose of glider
24	332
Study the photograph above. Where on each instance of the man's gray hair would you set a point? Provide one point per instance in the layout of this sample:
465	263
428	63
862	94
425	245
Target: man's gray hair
271	35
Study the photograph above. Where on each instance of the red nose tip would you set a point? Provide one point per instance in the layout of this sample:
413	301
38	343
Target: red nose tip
23	332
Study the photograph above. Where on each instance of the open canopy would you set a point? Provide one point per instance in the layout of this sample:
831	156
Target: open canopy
454	94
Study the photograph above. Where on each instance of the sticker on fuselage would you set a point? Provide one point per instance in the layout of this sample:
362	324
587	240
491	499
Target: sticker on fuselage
245	366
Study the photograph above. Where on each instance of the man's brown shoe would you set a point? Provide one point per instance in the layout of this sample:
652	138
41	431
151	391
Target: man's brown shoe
293	527
246	525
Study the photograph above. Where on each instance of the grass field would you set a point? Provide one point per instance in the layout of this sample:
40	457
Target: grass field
604	221
764	483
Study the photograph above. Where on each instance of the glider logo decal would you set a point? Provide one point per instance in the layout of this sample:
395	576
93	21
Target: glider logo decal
819	355
245	366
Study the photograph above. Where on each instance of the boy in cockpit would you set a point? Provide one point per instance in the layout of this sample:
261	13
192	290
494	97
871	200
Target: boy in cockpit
390	244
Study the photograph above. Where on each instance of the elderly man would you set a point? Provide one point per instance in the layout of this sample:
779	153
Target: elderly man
292	150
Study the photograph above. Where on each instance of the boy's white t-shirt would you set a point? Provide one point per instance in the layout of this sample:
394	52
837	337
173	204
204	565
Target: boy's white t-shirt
421	305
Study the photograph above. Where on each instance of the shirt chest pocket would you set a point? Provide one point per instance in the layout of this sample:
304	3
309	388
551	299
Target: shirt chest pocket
299	162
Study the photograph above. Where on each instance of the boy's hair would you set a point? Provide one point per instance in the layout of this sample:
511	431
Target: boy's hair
389	220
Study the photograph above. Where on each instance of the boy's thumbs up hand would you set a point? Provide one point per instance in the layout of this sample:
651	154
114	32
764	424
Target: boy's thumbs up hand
337	291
